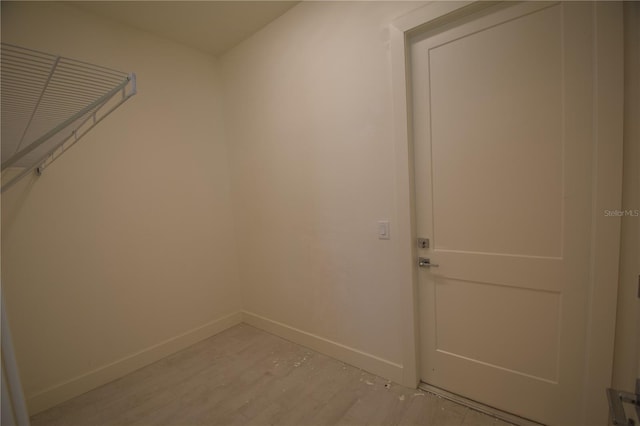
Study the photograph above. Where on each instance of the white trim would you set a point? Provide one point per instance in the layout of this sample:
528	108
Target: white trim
607	150
61	392
415	19
13	399
404	242
355	357
405	228
605	239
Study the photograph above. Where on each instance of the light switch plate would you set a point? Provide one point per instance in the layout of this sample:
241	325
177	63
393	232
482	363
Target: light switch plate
383	230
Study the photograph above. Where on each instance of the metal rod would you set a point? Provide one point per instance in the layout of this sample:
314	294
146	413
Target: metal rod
78	89
23	50
53	70
86	80
19	155
32	59
82	73
87	65
73	96
30	62
38	91
16	178
19	85
9	75
19	92
21	67
95	122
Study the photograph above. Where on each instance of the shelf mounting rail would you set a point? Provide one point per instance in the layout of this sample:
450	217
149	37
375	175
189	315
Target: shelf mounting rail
48	103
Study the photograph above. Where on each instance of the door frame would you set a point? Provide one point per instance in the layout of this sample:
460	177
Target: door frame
606	190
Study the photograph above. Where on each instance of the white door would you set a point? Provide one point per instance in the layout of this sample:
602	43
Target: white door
503	145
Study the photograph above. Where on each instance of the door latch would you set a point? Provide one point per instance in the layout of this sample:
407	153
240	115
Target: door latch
423	243
424	262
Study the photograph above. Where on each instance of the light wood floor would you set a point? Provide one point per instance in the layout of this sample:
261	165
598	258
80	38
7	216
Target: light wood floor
244	376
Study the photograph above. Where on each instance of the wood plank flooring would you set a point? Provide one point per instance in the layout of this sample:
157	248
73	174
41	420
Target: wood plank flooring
244	376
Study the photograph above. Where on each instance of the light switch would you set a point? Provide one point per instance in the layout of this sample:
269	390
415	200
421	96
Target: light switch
383	230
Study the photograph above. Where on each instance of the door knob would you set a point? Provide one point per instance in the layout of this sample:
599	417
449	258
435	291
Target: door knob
425	262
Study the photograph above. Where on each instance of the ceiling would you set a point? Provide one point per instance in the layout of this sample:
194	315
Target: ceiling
210	26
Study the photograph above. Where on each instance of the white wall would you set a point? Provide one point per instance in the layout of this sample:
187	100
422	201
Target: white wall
125	243
308	109
627	343
128	240
308	112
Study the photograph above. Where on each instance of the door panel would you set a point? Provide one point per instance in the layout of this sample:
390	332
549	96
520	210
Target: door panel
499	91
508	313
503	140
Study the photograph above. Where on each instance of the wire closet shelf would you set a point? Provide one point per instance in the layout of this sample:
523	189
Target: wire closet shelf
47	103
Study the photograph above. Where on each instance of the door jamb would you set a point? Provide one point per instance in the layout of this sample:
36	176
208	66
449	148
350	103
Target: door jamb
606	191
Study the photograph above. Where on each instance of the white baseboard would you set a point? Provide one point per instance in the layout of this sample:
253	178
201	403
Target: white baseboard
61	392
107	373
363	360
